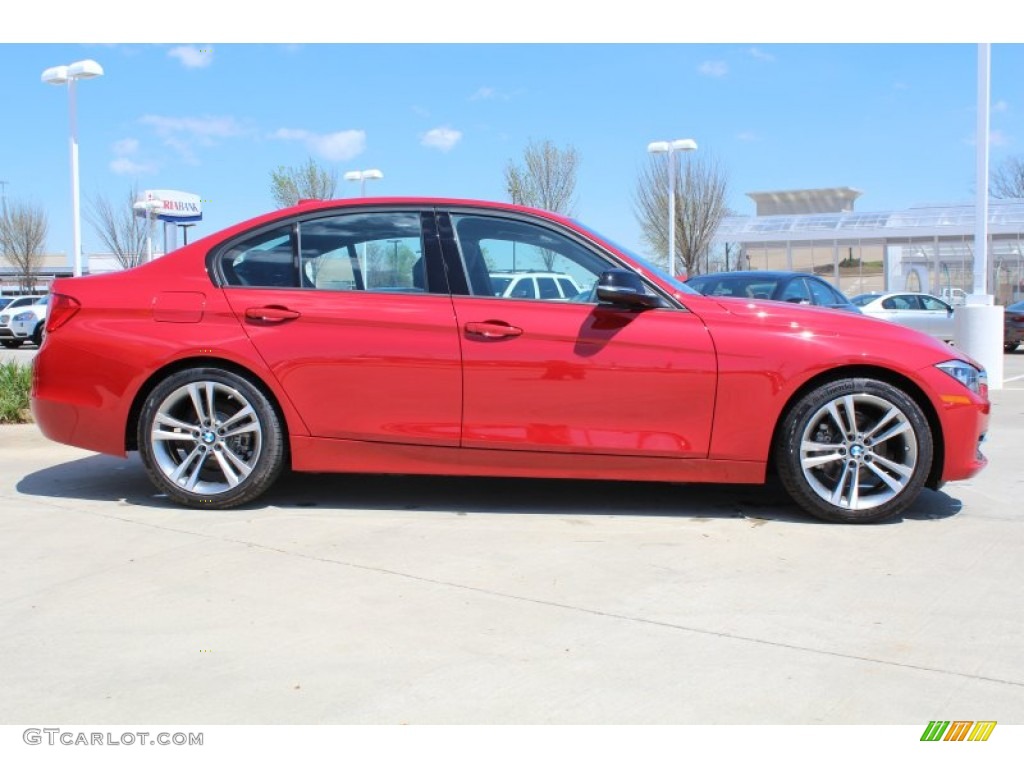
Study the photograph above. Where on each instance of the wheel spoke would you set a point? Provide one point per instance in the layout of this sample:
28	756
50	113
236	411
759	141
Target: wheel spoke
244	468
197	402
837	492
247	411
888	479
180	470
889	416
896	429
229	474
902	470
809	462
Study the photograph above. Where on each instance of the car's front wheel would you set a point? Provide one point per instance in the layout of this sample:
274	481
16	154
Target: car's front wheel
210	438
1011	346
854	451
39	333
11	343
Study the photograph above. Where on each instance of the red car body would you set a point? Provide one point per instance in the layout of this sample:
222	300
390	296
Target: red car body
453	383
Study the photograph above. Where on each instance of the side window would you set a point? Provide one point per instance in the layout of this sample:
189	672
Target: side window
264	260
934	305
823	295
495	250
548	288
379	252
796	292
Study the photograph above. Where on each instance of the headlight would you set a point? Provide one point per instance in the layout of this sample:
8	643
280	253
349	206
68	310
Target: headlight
24	317
975	379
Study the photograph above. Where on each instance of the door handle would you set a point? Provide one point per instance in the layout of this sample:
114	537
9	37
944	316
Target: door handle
271	314
493	329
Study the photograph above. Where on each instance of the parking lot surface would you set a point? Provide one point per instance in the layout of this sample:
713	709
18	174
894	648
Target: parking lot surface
358	599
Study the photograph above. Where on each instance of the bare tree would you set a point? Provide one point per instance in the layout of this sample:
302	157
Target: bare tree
546	180
701	188
1008	179
310	181
121	231
22	239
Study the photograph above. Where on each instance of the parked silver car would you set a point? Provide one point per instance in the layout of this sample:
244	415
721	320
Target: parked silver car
920	311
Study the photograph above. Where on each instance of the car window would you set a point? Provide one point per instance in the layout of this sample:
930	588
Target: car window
378	252
900	303
934	305
490	245
825	295
796	292
548	288
569	289
523	289
263	260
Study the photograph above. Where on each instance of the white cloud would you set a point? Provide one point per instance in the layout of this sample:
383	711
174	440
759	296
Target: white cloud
483	93
998	138
126	147
714	68
183	133
747	136
1000	106
193	57
441	138
337	146
124	166
760	55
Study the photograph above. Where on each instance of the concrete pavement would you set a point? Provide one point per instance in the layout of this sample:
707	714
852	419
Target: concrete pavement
356	599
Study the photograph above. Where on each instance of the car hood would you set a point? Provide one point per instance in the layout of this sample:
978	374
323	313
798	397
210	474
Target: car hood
859	333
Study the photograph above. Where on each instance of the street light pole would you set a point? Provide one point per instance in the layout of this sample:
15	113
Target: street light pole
668	147
184	231
69	75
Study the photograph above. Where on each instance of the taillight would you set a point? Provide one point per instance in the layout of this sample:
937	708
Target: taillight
62	308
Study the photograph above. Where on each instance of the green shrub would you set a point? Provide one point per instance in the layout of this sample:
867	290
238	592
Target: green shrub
15	385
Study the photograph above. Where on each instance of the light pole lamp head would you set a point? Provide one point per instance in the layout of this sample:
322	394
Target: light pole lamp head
55	75
84	70
657	146
684	145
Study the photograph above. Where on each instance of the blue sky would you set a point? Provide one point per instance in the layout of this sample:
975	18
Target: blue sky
896	121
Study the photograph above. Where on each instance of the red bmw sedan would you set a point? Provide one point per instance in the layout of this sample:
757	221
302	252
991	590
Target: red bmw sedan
365	335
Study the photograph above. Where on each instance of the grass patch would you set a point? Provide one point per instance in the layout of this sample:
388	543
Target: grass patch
15	385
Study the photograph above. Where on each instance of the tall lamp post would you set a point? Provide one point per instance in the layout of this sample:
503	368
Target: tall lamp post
657	147
361	177
184	231
69	75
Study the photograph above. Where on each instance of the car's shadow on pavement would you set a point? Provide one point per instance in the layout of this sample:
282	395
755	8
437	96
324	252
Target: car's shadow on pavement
124	482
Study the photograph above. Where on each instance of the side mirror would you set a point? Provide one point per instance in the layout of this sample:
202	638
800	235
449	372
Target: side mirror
625	289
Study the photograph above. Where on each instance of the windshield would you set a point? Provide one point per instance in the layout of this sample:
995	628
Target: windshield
864	299
647	265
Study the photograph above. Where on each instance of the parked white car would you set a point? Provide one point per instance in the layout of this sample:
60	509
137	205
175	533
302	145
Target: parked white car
920	311
24	319
535	285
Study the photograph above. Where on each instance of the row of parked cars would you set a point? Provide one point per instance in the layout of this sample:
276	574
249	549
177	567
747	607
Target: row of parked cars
22	319
920	311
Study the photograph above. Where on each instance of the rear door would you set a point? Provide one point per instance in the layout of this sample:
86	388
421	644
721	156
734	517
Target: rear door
351	312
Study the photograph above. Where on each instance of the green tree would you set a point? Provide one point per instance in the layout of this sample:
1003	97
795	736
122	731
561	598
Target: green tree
310	181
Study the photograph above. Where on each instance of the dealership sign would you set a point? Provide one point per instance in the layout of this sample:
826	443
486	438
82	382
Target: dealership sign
170	205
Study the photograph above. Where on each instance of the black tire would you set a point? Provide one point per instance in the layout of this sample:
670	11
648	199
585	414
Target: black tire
231	447
37	335
833	464
1011	346
11	343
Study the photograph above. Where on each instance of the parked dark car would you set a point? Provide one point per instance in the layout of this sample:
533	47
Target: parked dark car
1013	326
794	287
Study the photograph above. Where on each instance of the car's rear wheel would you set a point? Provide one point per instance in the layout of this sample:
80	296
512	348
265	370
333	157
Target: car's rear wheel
1011	346
854	451
210	438
37	335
